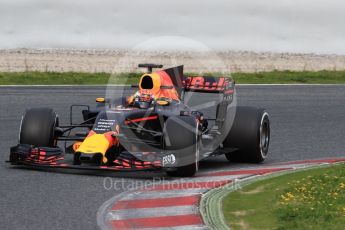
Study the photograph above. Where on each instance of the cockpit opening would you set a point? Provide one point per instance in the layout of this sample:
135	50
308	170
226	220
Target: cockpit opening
146	82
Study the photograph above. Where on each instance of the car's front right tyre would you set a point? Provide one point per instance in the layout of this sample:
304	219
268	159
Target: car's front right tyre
181	139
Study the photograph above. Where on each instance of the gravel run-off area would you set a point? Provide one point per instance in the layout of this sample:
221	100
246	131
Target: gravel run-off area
65	60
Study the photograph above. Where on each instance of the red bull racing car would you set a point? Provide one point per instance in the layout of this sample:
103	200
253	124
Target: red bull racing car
155	128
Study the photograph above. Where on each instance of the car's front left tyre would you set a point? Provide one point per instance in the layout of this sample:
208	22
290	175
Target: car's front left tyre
38	127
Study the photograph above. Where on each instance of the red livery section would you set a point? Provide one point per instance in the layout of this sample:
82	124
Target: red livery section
208	84
141	119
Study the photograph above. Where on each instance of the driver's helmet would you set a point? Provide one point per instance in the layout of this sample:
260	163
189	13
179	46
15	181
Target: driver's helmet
143	100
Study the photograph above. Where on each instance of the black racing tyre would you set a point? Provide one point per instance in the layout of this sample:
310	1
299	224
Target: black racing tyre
250	135
38	127
181	137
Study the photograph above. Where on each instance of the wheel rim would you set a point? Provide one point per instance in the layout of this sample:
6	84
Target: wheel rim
264	135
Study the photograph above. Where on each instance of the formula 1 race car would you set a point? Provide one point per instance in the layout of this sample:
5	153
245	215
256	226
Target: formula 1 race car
151	129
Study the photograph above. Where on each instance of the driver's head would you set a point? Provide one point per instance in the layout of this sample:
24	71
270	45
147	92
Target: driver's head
153	82
143	99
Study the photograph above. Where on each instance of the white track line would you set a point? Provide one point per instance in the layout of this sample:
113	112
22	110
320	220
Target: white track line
125	214
85	86
82	86
156	194
189	227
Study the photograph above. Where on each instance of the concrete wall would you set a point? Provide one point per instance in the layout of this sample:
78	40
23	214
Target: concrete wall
122	61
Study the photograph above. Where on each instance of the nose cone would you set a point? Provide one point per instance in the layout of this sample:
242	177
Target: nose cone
95	144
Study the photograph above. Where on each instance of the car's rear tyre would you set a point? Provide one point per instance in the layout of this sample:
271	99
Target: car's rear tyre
38	127
250	135
181	138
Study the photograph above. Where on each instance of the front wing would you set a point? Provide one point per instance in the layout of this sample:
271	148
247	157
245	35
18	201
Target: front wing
43	157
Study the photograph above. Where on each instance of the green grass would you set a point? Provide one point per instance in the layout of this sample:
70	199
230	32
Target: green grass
73	78
285	77
311	199
68	78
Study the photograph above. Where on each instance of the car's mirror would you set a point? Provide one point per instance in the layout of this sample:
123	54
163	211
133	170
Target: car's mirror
162	102
100	100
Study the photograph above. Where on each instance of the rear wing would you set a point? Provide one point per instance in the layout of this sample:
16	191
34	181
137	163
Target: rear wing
216	85
208	84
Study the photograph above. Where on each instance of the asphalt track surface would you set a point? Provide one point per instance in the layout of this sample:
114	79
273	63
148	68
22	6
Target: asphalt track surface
307	122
